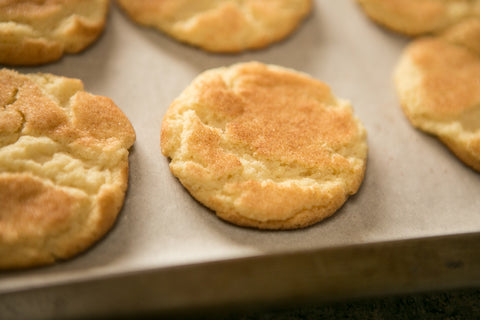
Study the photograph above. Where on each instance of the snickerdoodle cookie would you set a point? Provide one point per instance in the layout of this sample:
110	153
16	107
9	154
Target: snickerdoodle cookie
438	82
264	146
63	167
416	17
33	32
221	25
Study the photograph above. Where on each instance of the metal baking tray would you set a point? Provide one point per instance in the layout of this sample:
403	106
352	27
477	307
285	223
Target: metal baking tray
414	224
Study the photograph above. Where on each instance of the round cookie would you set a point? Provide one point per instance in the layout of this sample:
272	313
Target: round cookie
416	17
437	79
264	146
63	168
36	32
221	25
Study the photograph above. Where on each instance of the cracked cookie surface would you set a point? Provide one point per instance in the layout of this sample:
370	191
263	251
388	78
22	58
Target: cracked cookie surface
63	167
221	25
264	146
438	82
39	31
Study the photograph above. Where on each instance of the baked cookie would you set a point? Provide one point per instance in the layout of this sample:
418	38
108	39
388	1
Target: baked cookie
221	25
63	167
416	17
34	32
264	146
438	82
466	34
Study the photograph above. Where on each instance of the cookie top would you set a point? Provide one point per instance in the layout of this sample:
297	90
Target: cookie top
63	167
34	32
437	80
466	34
264	146
221	25
416	17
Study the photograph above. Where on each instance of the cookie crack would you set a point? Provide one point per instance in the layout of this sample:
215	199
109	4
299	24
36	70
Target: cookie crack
12	99
274	170
60	167
191	17
24	121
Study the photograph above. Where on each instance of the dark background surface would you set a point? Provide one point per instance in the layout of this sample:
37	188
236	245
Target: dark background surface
446	305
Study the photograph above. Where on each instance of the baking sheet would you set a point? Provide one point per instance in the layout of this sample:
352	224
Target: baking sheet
414	187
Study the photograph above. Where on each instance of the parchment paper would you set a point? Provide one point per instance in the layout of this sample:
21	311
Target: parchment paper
414	187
